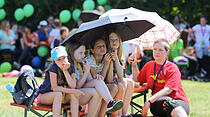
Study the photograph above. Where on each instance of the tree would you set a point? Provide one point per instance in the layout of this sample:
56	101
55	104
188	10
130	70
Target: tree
189	10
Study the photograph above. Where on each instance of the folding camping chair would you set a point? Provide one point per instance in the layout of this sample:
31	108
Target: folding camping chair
139	90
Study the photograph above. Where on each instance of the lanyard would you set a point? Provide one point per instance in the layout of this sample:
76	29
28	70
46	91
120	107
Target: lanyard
97	66
203	30
156	75
79	71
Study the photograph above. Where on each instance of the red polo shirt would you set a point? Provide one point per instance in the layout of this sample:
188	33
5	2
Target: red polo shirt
170	77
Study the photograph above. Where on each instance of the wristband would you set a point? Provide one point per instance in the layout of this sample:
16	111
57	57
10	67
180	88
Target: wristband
149	102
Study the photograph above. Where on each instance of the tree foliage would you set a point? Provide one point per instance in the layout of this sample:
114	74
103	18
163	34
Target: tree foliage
190	10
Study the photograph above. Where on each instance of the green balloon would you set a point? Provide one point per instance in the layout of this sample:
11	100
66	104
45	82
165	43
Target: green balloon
2	3
65	16
2	14
19	14
107	7
28	10
88	5
102	2
5	67
76	14
42	51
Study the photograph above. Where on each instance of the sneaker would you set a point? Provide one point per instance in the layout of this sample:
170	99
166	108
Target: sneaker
195	78
114	105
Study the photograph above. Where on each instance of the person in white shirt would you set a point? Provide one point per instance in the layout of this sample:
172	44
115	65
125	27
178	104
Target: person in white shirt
201	34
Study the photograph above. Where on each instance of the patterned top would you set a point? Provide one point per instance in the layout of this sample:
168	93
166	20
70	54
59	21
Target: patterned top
93	64
79	71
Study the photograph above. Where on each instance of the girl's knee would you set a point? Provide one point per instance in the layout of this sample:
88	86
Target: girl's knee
121	88
73	96
98	82
130	83
93	93
96	96
114	87
58	94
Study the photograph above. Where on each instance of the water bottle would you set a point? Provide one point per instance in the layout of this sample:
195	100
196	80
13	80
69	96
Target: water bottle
208	52
10	88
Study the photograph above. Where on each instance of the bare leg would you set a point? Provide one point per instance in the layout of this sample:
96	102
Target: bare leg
54	98
178	112
128	94
93	99
113	90
121	93
74	104
101	88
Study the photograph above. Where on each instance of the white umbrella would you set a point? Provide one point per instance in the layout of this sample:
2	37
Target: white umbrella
163	29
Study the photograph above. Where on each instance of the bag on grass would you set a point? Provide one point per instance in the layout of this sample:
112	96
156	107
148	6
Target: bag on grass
26	89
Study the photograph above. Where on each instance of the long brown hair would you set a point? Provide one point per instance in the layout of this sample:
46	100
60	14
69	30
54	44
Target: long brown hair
120	48
70	48
61	80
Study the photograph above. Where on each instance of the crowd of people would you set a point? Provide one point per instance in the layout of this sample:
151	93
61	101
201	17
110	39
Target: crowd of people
191	51
95	75
19	45
194	44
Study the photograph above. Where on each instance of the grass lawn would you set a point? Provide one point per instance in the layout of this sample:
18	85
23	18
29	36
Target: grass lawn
198	94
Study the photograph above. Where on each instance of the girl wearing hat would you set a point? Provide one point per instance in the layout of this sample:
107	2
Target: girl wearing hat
59	86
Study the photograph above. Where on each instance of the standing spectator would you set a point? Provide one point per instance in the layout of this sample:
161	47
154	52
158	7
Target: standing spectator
54	34
7	42
179	23
42	32
64	32
201	35
50	21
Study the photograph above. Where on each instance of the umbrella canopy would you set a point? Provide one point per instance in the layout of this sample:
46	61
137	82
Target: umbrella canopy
87	16
129	26
163	29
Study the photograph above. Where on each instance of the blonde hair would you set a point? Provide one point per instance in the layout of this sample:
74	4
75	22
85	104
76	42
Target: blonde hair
164	42
120	48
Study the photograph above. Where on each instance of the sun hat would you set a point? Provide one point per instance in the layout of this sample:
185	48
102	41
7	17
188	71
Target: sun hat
58	52
43	23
